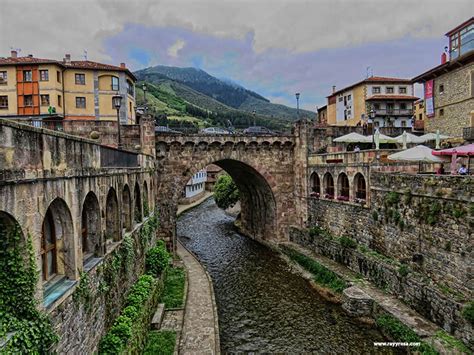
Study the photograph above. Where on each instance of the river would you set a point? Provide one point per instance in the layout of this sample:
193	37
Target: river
262	305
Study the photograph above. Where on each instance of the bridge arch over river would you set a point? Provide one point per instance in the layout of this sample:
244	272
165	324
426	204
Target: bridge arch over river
263	169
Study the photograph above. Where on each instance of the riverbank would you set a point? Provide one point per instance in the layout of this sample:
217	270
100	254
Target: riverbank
184	208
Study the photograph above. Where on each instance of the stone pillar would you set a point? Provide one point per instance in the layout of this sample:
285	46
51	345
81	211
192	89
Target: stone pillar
147	134
356	302
301	150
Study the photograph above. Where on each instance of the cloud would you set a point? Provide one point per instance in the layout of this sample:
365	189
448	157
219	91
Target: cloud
175	48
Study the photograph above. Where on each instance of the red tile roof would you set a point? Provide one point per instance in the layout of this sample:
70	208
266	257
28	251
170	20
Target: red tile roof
374	79
77	64
392	97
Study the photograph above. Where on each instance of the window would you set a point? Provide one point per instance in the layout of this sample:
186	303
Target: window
402	90
27	75
376	90
403	106
130	88
28	100
467	39
404	123
454	46
389	108
58	76
44	75
80	102
441	88
389	90
441	111
3	102
44	100
80	79
340	98
420	116
130	105
349	97
60	101
376	106
3	78
48	247
115	83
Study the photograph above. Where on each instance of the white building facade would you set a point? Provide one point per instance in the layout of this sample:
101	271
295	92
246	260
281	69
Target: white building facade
195	187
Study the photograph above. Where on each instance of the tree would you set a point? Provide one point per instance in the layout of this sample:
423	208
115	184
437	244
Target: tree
226	193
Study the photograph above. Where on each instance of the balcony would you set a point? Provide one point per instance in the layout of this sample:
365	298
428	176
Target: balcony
419	125
468	133
394	112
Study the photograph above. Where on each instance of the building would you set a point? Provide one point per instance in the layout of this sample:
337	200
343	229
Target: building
449	87
389	100
213	172
419	115
80	90
322	118
195	187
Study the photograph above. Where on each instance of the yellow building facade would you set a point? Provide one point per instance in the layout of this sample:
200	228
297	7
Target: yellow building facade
79	90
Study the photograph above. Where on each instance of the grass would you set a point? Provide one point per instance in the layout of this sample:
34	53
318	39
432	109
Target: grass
173	292
399	332
321	274
160	343
451	342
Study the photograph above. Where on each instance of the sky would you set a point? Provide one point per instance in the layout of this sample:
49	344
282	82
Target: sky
273	47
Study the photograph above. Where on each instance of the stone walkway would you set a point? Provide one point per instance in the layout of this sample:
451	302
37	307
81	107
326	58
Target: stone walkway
200	333
184	208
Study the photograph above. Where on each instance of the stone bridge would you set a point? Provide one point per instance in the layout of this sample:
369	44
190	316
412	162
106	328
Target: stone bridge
270	172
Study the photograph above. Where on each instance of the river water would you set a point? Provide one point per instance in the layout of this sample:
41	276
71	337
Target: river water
262	305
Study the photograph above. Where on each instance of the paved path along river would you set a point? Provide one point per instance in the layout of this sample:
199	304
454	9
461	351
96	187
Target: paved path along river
262	305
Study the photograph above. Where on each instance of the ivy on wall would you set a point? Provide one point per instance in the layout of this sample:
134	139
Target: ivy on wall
27	329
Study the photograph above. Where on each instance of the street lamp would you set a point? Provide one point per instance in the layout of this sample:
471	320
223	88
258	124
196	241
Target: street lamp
372	117
298	105
117	100
144	96
254	114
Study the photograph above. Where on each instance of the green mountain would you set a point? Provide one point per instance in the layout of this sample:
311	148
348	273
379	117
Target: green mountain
207	92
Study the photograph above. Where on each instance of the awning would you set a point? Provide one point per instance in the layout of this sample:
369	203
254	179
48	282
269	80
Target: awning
420	153
353	138
432	137
411	139
464	150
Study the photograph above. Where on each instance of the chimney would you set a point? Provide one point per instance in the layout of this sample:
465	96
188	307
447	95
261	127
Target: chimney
14	54
67	58
122	65
444	58
333	89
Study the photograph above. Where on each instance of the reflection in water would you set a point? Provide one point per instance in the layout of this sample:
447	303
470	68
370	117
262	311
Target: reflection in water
262	305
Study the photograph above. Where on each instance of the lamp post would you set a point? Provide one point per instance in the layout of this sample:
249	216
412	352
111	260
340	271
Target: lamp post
372	116
298	105
144	96
254	114
117	99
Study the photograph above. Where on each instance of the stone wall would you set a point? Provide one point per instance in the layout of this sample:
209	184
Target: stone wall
83	317
412	217
412	287
457	101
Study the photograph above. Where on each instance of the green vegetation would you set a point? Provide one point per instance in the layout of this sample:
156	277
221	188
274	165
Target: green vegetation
403	270
32	329
398	331
375	216
347	242
392	198
317	231
226	193
322	275
157	259
468	312
458	211
160	343
363	249
173	293
451	343
433	212
129	324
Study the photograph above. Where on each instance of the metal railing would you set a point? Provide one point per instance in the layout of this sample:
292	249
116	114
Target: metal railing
115	158
394	112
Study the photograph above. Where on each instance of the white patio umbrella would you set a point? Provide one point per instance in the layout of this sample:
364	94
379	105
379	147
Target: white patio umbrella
411	138
353	138
420	153
432	137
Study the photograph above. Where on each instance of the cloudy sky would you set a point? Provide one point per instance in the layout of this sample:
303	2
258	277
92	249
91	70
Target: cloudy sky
274	47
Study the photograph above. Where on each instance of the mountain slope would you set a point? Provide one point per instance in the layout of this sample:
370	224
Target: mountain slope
224	91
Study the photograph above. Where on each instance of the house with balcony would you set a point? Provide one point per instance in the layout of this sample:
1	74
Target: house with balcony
195	188
449	87
373	102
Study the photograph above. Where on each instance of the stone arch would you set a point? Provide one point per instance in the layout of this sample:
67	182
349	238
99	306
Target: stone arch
137	208
126	208
360	187
328	183
112	221
343	186
91	239
146	201
57	242
315	183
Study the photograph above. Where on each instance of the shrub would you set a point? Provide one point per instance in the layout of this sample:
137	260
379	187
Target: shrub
403	270
156	260
347	242
468	312
375	216
317	231
392	198
162	342
226	193
173	292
